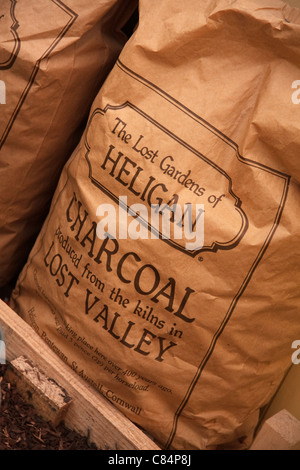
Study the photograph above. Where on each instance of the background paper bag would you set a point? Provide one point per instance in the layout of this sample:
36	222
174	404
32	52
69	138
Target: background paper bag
189	343
53	58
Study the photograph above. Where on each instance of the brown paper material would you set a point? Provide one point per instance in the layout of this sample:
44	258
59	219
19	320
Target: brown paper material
189	343
54	55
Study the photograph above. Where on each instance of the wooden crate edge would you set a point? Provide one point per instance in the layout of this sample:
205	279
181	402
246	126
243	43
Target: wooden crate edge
90	414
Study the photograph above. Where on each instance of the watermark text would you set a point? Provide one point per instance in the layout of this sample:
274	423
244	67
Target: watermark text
160	221
296	94
296	354
2	92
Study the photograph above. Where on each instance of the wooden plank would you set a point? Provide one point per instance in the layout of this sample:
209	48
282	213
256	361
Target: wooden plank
90	413
2	348
287	396
50	400
280	432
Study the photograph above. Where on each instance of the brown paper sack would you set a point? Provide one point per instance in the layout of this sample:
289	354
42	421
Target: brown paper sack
188	336
54	56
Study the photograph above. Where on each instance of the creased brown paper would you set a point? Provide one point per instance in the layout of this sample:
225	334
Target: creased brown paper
189	341
54	55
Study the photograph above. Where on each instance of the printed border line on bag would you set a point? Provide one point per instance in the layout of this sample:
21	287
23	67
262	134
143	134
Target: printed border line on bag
198	119
73	17
215	246
259	257
228	314
13	28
